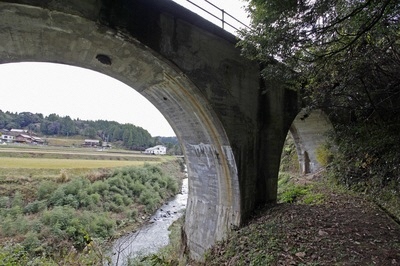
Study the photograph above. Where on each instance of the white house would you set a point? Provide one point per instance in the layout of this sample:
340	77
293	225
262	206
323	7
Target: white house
159	149
7	138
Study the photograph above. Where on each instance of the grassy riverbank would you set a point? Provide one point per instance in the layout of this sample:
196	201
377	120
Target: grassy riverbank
51	213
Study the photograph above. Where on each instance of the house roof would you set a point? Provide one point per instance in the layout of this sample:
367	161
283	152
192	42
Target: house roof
156	147
92	140
30	137
18	130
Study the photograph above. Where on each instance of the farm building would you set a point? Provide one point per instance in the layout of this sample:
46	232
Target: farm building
91	143
159	149
23	138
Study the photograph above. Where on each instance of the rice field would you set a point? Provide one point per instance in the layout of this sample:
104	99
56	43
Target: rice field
22	163
48	163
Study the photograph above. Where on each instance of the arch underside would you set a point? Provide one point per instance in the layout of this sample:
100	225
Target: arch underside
38	35
309	132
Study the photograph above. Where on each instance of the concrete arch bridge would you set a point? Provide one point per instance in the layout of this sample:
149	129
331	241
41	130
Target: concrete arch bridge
231	125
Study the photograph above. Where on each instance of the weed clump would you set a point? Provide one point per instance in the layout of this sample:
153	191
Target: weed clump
63	178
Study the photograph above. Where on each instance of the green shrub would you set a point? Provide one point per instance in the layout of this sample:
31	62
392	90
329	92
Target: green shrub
293	193
113	207
84	199
35	207
13	225
57	197
15	211
313	198
66	223
11	255
31	242
45	189
133	214
117	190
150	200
7	226
71	200
101	225
136	187
116	181
99	187
95	198
58	215
18	200
118	199
75	186
36	226
127	200
4	202
172	185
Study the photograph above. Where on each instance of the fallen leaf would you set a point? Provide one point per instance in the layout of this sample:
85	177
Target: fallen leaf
322	233
300	254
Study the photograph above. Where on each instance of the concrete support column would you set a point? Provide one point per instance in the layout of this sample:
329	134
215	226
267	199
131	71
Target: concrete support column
308	131
213	204
278	108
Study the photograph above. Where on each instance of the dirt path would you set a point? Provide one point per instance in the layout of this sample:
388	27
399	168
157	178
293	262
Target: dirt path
344	229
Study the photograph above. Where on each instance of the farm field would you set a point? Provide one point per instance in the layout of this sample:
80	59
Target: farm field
22	167
48	163
73	153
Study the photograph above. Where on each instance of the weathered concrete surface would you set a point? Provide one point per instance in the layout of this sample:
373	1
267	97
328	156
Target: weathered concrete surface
231	131
309	132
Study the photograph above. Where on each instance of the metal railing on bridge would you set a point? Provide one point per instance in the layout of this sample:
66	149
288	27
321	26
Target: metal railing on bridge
222	17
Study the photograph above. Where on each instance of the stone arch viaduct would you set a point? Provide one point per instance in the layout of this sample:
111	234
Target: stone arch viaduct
231	125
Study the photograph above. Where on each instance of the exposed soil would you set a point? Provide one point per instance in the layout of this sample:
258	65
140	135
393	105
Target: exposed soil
344	229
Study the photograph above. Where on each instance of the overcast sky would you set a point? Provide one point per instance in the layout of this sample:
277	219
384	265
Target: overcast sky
64	90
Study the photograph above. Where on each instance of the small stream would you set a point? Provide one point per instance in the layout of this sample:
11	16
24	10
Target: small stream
150	238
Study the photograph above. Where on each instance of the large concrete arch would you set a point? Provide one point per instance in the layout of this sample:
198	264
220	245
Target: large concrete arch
309	130
29	33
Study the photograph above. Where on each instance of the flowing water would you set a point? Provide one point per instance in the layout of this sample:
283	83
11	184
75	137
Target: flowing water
150	238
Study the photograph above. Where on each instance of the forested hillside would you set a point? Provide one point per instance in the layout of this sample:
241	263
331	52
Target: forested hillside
127	135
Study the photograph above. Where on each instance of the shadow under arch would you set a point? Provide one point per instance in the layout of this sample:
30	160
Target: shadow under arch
309	132
33	34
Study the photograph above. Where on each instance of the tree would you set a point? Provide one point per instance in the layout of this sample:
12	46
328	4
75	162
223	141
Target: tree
90	132
67	126
53	117
340	54
116	134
